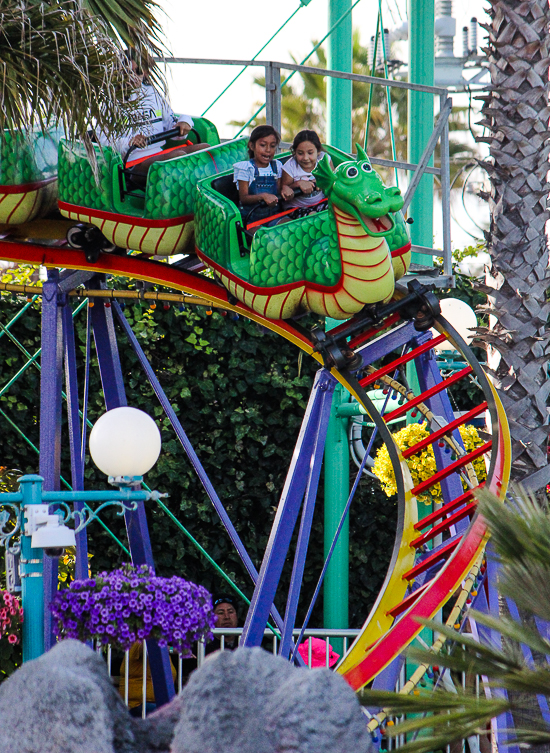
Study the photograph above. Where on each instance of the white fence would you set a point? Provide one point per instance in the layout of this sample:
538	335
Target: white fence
123	680
477	744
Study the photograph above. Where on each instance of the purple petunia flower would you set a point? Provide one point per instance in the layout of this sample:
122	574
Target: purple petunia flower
133	603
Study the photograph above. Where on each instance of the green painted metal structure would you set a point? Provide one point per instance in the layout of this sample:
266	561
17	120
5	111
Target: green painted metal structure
421	118
339	58
336	493
32	591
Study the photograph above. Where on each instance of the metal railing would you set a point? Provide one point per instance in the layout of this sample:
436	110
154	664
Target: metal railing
273	108
123	680
347	636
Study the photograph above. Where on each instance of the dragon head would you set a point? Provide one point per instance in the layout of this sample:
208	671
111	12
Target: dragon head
355	188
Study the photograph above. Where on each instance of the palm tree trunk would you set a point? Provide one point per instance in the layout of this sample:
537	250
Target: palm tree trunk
516	114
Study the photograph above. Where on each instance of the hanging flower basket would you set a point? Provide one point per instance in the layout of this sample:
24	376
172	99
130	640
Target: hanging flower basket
11	619
133	604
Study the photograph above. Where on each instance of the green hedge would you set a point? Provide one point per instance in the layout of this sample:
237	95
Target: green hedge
240	393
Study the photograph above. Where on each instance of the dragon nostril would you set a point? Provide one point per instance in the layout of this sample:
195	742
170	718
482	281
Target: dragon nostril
373	198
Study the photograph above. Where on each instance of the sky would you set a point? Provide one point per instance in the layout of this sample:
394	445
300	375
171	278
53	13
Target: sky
218	29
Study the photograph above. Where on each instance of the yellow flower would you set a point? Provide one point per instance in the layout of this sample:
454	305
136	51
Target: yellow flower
422	466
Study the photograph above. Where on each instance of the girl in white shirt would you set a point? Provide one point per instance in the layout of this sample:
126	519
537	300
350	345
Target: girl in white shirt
259	178
297	172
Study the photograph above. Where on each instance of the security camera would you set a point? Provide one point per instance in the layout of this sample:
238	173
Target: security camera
47	531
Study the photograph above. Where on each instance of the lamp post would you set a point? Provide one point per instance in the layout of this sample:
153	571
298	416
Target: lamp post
124	444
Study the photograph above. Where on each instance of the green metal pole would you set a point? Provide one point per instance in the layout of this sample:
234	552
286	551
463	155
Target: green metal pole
420	127
421	119
32	591
337	484
336	585
339	58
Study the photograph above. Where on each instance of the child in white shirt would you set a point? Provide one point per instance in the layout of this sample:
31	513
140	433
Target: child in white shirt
259	178
156	117
297	172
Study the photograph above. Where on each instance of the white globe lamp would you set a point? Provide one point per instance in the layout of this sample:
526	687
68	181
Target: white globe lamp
463	319
125	442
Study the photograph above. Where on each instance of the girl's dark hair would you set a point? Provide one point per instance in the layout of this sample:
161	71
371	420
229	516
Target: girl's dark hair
306	135
261	132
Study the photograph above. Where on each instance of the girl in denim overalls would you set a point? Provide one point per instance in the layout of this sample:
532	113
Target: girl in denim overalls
259	179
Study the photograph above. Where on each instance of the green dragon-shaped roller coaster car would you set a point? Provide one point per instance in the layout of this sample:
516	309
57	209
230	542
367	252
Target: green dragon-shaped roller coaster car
28	175
155	217
333	262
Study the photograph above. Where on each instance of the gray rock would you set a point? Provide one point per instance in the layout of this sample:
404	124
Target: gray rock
155	733
316	711
245	701
64	701
249	701
222	704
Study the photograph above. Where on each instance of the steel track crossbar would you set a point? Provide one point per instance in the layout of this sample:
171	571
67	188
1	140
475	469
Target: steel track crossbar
407	601
402	360
410	404
444	525
358	340
444	472
446	509
443	552
436	435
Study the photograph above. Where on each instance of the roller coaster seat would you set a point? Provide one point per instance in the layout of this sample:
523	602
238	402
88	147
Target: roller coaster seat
168	193
227	187
203	131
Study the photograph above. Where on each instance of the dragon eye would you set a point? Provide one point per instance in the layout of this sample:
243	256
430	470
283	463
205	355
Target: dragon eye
366	167
351	172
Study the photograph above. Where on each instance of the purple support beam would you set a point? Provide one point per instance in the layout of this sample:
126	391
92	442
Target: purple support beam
388	677
192	455
136	521
285	519
387	342
305	524
50	422
107	354
77	467
440	405
504	724
86	388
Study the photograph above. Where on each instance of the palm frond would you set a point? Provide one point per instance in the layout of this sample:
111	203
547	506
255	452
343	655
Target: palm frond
441	717
521	543
133	21
520	536
58	66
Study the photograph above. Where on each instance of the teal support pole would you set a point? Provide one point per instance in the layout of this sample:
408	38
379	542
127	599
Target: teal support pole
420	127
337	484
32	591
421	119
339	58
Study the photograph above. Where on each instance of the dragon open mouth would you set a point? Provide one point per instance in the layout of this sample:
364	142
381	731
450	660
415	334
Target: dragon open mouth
377	225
